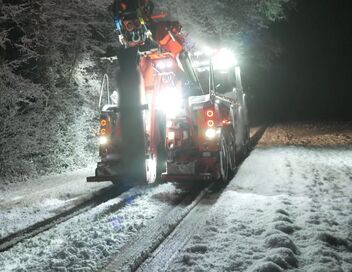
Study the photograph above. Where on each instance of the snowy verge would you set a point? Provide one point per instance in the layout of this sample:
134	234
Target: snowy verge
26	203
309	134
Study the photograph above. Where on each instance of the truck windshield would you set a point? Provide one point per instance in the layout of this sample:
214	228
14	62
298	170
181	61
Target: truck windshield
224	81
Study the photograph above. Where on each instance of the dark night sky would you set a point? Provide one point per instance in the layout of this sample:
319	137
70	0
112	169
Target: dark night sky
313	77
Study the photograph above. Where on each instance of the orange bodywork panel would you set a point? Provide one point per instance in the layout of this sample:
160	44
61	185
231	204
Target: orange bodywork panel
169	44
147	72
159	16
168	36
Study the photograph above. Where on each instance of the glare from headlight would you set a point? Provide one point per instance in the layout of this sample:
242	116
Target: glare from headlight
169	101
169	124
164	64
171	135
210	133
224	59
103	140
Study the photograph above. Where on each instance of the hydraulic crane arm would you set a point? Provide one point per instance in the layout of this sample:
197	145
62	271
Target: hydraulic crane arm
139	27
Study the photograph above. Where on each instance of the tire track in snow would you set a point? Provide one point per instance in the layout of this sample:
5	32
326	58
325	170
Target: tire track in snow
165	253
106	194
168	247
87	242
150	239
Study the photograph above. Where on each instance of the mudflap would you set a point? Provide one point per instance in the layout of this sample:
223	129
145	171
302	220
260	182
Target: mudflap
106	171
114	171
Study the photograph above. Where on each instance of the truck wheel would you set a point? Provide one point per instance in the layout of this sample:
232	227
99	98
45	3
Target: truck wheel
161	163
231	150
224	159
246	147
151	169
155	166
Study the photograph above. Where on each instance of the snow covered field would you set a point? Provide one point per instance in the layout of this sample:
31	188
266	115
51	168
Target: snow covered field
288	208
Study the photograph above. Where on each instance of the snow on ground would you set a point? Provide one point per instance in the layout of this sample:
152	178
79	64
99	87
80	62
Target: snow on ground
85	242
289	207
25	203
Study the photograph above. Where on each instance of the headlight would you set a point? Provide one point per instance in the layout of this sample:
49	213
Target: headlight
170	101
224	59
164	64
210	133
171	135
103	140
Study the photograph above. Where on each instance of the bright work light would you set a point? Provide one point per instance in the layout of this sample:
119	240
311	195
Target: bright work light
103	140
224	59
164	64
169	101
210	133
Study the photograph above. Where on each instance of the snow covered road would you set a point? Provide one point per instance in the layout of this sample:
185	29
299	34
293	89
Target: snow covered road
88	241
288	208
26	203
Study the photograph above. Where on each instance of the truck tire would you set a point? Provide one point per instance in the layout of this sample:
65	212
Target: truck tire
161	163
223	158
231	143
246	143
155	166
